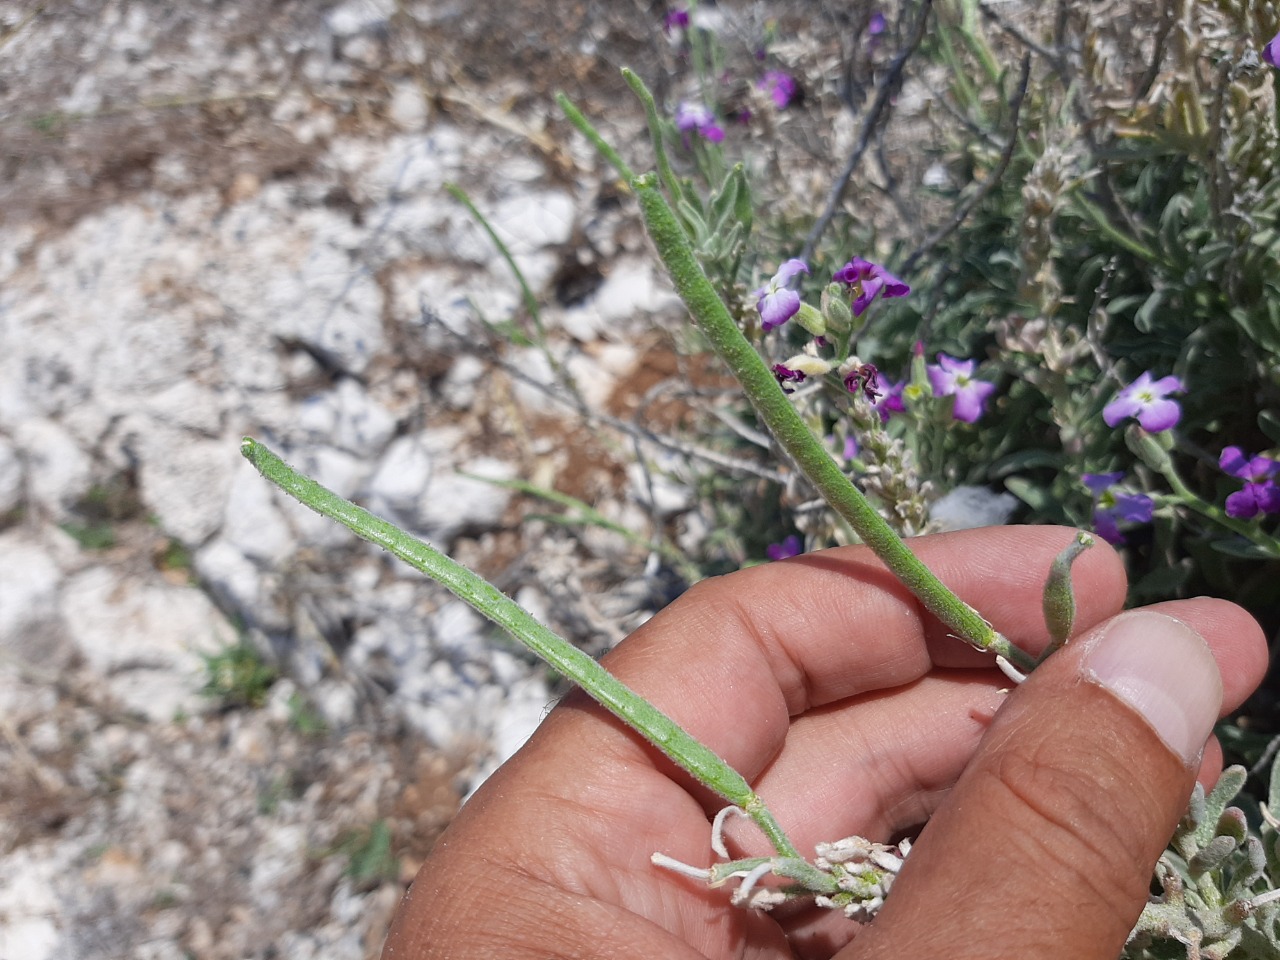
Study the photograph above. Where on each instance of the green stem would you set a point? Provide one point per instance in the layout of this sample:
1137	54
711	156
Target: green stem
593	135
530	301
655	726
1184	497
1111	231
786	426
587	514
655	133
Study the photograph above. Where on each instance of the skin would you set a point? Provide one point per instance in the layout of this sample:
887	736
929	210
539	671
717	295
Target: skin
851	712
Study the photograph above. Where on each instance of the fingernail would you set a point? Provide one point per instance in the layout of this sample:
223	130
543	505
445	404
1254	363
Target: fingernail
1165	671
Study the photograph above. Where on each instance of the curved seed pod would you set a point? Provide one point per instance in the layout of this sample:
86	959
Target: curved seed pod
1059	599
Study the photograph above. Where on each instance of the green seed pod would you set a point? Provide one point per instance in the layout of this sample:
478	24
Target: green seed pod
1059	598
811	320
1150	448
835	307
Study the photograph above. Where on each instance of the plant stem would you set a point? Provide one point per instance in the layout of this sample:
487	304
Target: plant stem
655	133
1184	497
654	725
786	426
592	134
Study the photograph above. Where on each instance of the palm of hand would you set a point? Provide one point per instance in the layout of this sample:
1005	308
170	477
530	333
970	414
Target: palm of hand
820	680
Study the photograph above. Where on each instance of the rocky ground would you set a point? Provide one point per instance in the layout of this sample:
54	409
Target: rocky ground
228	219
220	219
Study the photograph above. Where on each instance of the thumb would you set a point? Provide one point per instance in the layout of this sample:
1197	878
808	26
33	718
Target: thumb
1046	845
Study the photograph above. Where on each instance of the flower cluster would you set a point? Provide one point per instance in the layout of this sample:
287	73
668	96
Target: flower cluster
865	280
1147	401
1111	505
1260	493
698	118
781	87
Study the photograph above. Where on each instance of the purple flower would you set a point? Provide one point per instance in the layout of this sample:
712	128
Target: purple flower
1260	494
1271	52
866	279
1147	402
775	302
676	20
697	118
790	547
850	447
784	375
891	402
1111	506
877	24
954	378
780	86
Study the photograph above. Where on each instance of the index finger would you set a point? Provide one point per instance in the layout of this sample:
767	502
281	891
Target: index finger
737	656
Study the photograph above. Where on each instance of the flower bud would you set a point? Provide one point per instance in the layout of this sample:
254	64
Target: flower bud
835	308
1149	448
809	366
811	320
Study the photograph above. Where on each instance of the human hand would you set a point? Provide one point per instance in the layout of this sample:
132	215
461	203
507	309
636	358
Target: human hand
850	711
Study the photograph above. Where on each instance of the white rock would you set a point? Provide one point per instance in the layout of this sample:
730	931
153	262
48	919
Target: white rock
408	108
359	16
631	288
330	304
237	582
402	475
671	495
305	284
529	221
277	863
533	365
188	405
457	629
361	425
184	480
30	903
462	382
337	470
59	470
144	638
252	523
596	372
453	503
28	587
417	483
967	507
513	721
10	477
418	165
336	702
